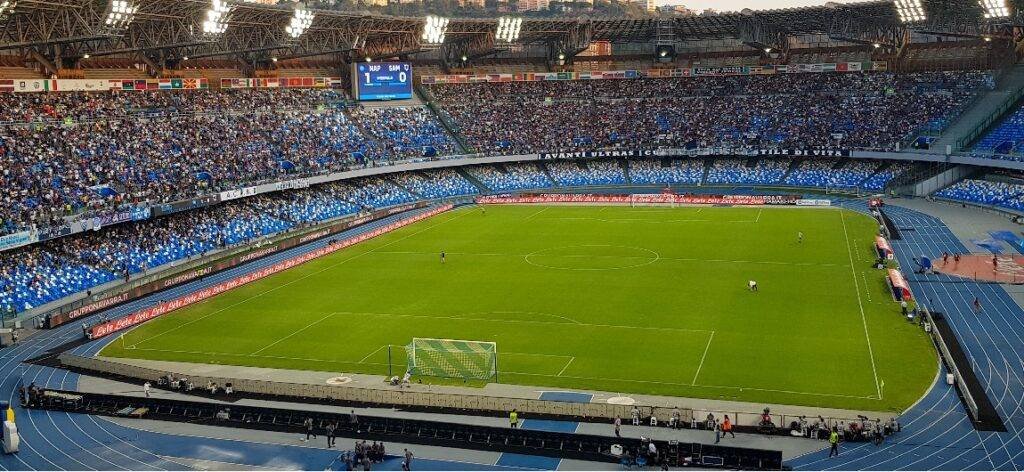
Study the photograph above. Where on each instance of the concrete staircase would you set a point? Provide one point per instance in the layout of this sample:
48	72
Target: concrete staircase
985	111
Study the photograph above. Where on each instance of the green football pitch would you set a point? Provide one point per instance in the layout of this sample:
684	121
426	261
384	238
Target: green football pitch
628	300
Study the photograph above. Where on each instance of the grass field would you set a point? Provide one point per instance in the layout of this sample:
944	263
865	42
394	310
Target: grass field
632	300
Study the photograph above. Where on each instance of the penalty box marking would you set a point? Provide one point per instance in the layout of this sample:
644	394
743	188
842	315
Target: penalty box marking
527	374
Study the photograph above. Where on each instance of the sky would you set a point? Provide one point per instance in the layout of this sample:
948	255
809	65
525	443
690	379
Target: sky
737	5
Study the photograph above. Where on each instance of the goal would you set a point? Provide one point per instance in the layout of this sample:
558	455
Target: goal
452	358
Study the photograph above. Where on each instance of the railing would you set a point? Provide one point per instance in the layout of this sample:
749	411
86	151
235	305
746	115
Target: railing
998	113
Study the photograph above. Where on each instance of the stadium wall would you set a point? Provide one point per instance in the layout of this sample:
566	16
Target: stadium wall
449	403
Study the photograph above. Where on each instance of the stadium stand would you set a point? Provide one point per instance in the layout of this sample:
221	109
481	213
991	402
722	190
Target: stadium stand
109	159
736	171
885	174
514	177
1006	137
812	173
653	171
409	130
437	184
984	192
35	275
765	111
578	174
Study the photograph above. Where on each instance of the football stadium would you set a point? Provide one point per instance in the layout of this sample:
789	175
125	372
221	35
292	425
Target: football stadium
511	235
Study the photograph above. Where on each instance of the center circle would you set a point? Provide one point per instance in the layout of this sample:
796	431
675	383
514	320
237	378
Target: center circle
592	257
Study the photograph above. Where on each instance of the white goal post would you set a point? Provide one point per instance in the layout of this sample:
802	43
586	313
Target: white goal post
452	358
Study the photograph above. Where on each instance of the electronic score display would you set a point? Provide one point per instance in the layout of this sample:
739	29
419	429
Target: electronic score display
382	81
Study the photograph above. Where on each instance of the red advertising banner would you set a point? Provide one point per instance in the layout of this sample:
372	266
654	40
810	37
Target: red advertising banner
884	248
644	199
900	287
147	314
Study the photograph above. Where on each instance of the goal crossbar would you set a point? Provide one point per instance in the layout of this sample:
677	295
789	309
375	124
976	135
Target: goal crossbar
452	358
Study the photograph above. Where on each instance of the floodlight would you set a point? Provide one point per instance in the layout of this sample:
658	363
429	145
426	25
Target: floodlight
876	45
85	56
767	50
910	11
7	7
217	18
120	14
508	29
301	21
434	30
995	8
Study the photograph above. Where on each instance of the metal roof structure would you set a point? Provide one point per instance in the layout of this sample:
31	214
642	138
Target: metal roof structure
51	31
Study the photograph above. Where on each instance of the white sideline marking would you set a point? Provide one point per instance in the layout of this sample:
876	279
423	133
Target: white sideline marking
599	256
532	354
758	219
860	303
258	356
370	354
566	366
701	365
542	210
463	318
268	346
296	280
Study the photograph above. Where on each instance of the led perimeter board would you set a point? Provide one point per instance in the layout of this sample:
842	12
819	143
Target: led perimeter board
382	81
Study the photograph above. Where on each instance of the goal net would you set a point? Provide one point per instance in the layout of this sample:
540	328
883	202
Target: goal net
452	358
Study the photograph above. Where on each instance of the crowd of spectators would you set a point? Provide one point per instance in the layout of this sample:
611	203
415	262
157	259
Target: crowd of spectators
742	171
512	177
579	174
842	110
90	106
653	171
41	273
442	183
409	130
113	153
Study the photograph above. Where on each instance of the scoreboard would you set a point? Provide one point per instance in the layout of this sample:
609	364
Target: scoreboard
382	80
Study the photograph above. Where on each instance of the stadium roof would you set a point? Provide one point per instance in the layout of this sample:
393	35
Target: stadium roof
50	29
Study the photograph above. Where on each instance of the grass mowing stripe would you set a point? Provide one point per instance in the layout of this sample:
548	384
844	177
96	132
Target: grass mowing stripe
632	330
293	281
860	304
268	346
464	318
